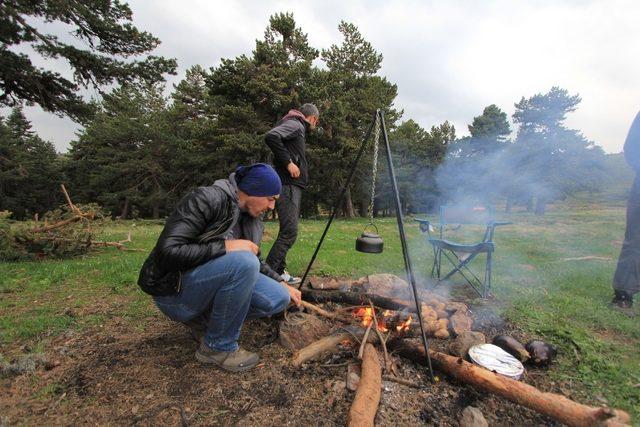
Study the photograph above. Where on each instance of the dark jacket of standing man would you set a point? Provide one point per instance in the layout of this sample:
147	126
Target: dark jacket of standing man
287	142
626	281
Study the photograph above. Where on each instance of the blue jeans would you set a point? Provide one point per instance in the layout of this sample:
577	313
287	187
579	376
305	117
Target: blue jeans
227	290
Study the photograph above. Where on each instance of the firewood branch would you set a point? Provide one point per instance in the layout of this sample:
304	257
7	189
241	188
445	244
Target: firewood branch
552	405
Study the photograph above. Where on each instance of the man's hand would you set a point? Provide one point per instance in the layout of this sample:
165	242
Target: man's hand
296	295
241	245
294	170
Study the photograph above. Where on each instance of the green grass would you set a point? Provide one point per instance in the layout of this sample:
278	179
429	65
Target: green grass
537	289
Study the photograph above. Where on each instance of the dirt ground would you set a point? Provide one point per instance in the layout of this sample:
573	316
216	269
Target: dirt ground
121	373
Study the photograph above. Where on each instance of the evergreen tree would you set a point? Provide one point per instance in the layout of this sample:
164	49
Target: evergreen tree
551	161
250	94
29	168
352	92
124	157
107	45
417	155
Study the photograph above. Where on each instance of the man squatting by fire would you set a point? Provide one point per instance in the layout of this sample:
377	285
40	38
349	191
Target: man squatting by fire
205	269
626	281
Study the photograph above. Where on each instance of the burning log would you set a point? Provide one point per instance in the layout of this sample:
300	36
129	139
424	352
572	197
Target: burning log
365	404
356	298
552	405
328	345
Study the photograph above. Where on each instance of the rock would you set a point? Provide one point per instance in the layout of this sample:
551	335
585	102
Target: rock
541	353
454	307
335	391
443	334
463	342
472	417
24	365
511	346
388	285
353	377
460	322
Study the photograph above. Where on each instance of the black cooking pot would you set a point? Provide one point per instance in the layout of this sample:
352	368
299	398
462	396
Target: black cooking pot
369	243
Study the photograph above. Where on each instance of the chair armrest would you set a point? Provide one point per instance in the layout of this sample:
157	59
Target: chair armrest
425	225
499	223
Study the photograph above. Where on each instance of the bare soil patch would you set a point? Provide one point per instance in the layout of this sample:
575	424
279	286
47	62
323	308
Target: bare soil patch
123	373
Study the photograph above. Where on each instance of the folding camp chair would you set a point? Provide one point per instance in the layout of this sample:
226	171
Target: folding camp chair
460	255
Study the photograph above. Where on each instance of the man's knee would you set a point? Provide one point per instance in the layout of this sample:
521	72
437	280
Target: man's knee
280	302
244	262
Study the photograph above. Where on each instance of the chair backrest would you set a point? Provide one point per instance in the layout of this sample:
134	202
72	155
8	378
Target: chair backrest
466	214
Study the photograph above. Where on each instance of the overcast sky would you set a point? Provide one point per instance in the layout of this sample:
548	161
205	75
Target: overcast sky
449	59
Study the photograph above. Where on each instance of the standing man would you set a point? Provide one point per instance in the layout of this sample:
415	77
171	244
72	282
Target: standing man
626	281
287	141
205	269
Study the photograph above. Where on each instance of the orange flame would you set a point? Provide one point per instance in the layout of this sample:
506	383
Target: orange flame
366	314
404	326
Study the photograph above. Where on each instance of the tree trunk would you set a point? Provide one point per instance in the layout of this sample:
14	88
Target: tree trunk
156	210
348	204
509	204
552	405
125	209
530	204
541	206
364	206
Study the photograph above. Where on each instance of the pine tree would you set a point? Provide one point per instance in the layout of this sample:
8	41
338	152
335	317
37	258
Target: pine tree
29	168
105	52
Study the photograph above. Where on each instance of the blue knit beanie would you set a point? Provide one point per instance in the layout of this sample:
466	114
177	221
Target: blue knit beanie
258	180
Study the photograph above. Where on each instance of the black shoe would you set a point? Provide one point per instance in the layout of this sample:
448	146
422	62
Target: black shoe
623	302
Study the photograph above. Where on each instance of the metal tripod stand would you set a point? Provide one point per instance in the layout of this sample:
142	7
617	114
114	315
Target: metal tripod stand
399	216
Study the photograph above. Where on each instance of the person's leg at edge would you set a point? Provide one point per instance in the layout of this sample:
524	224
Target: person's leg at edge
626	281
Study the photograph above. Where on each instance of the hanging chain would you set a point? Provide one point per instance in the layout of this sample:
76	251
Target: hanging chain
374	169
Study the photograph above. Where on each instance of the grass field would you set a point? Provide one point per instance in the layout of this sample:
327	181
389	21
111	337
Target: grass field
551	279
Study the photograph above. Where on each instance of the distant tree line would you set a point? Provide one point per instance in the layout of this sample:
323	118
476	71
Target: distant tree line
140	151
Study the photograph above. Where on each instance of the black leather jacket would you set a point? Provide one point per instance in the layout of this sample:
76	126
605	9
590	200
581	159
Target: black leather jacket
195	233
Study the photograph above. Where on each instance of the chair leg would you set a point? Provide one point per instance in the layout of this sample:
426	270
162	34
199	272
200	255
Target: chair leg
435	261
487	277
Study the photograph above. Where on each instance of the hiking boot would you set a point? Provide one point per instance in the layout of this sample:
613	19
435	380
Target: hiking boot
623	302
197	327
234	361
290	279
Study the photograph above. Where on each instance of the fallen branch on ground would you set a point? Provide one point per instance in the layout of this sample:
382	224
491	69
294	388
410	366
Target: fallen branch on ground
402	381
322	312
552	405
365	403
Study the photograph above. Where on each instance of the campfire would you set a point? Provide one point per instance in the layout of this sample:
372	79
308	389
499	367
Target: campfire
388	320
371	319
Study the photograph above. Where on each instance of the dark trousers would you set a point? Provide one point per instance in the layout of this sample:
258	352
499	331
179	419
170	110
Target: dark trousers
627	276
288	208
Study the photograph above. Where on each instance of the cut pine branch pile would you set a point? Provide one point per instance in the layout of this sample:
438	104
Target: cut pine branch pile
65	232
